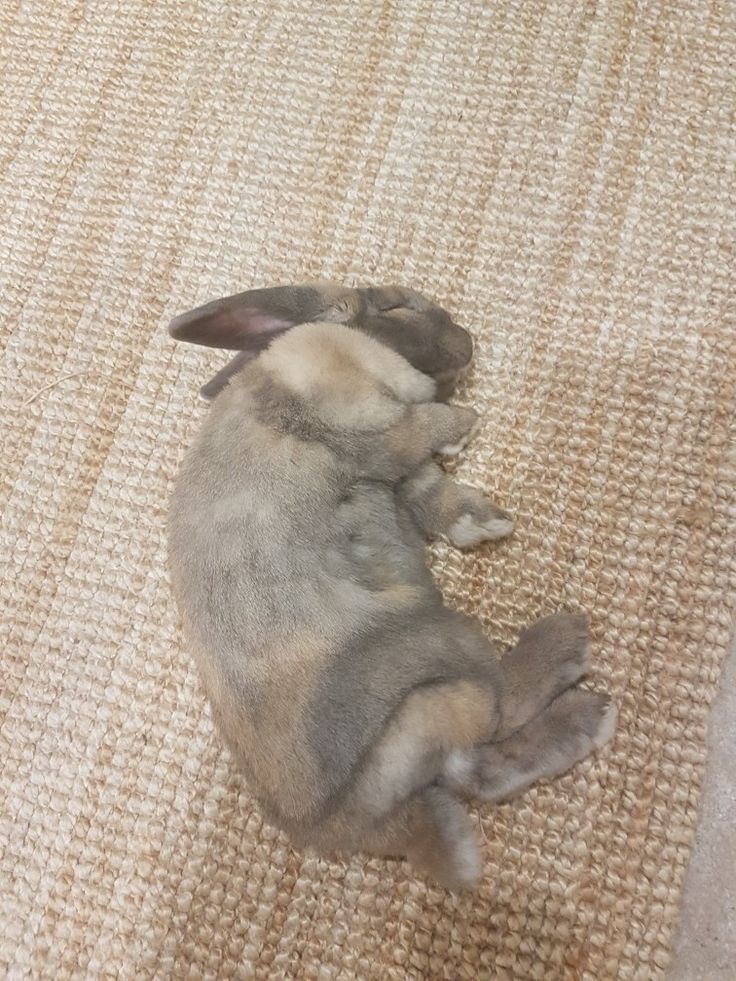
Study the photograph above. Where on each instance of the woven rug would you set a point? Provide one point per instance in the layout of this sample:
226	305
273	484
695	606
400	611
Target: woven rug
561	175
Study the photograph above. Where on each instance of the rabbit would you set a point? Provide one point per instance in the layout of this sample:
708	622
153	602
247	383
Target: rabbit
363	712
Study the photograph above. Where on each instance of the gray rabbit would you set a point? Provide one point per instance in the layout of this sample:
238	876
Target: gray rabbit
361	709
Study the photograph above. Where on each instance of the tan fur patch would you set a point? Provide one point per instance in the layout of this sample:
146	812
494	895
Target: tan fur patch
351	379
431	722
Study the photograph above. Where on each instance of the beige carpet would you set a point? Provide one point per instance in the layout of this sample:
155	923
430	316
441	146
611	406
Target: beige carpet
561	174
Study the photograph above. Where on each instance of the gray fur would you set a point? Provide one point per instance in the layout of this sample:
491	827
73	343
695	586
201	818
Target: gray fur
338	678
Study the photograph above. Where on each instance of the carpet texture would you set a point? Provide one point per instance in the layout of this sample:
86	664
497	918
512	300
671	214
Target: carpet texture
561	175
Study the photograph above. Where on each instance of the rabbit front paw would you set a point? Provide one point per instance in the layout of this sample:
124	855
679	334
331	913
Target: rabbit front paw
452	449
483	522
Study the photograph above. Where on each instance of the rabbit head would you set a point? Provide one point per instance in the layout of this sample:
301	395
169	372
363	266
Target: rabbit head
413	326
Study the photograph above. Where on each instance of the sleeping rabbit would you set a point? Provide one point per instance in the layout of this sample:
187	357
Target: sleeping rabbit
361	709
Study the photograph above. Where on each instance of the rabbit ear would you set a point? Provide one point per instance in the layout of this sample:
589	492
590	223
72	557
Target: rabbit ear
216	384
234	322
249	321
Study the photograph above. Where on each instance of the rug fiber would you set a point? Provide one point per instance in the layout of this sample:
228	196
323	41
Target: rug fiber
561	175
